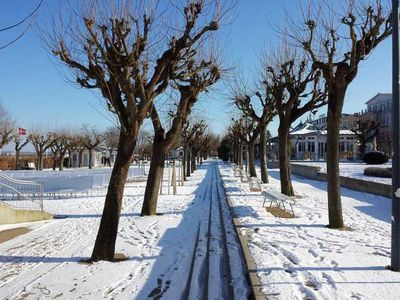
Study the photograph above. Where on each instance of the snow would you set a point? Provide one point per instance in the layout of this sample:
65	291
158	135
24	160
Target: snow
351	169
45	263
302	259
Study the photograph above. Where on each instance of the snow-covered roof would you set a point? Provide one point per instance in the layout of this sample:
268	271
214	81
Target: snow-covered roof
310	129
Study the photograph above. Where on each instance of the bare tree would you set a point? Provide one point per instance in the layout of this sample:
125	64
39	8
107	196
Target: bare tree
336	46
365	132
74	140
6	127
111	139
257	125
19	143
91	138
144	144
234	132
191	131
41	142
194	78
111	49
60	147
295	88
198	143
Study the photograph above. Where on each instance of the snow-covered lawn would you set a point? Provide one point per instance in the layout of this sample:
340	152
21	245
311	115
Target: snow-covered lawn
351	169
44	262
301	259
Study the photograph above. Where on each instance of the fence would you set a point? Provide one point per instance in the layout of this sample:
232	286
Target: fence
72	182
21	193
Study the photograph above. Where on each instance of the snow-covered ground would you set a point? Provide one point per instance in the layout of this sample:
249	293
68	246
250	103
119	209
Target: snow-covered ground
351	169
44	263
301	259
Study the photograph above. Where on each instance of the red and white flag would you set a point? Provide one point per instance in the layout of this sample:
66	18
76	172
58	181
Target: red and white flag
21	131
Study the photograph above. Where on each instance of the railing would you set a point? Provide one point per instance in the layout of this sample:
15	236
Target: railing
21	193
74	182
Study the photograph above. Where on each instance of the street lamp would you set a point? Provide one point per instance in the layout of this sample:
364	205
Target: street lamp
395	250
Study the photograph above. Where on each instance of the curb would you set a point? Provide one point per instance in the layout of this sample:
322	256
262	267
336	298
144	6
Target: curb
251	268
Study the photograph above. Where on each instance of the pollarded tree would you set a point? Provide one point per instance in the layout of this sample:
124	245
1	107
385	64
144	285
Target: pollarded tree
41	142
295	89
195	77
6	127
191	132
128	54
234	132
20	141
199	144
111	141
210	146
59	148
258	124
91	138
247	131
336	48
73	144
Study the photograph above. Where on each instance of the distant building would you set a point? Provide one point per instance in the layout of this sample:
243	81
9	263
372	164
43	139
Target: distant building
348	121
308	142
379	109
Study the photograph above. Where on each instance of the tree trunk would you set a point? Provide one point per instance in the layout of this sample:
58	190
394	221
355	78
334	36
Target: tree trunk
61	162
90	158
284	160
110	156
17	156
153	181
69	159
104	247
80	159
263	158
335	104
192	161
40	162
184	162
240	155
54	162
188	162
252	163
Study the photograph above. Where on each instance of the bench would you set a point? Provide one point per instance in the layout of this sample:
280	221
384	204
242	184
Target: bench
255	184
279	199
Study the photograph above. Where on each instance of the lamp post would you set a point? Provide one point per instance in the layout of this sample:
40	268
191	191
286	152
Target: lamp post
395	250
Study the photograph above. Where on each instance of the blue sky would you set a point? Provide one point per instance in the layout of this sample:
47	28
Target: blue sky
33	90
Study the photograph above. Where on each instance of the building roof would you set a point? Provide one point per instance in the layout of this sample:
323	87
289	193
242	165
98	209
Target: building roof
379	95
310	129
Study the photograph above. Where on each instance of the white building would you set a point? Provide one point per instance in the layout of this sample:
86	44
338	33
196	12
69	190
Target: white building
309	143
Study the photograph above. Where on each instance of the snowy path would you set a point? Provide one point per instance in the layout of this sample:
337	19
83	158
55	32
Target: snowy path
217	270
43	264
301	259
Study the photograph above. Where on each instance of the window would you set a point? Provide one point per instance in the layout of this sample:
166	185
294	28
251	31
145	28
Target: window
341	146
311	147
